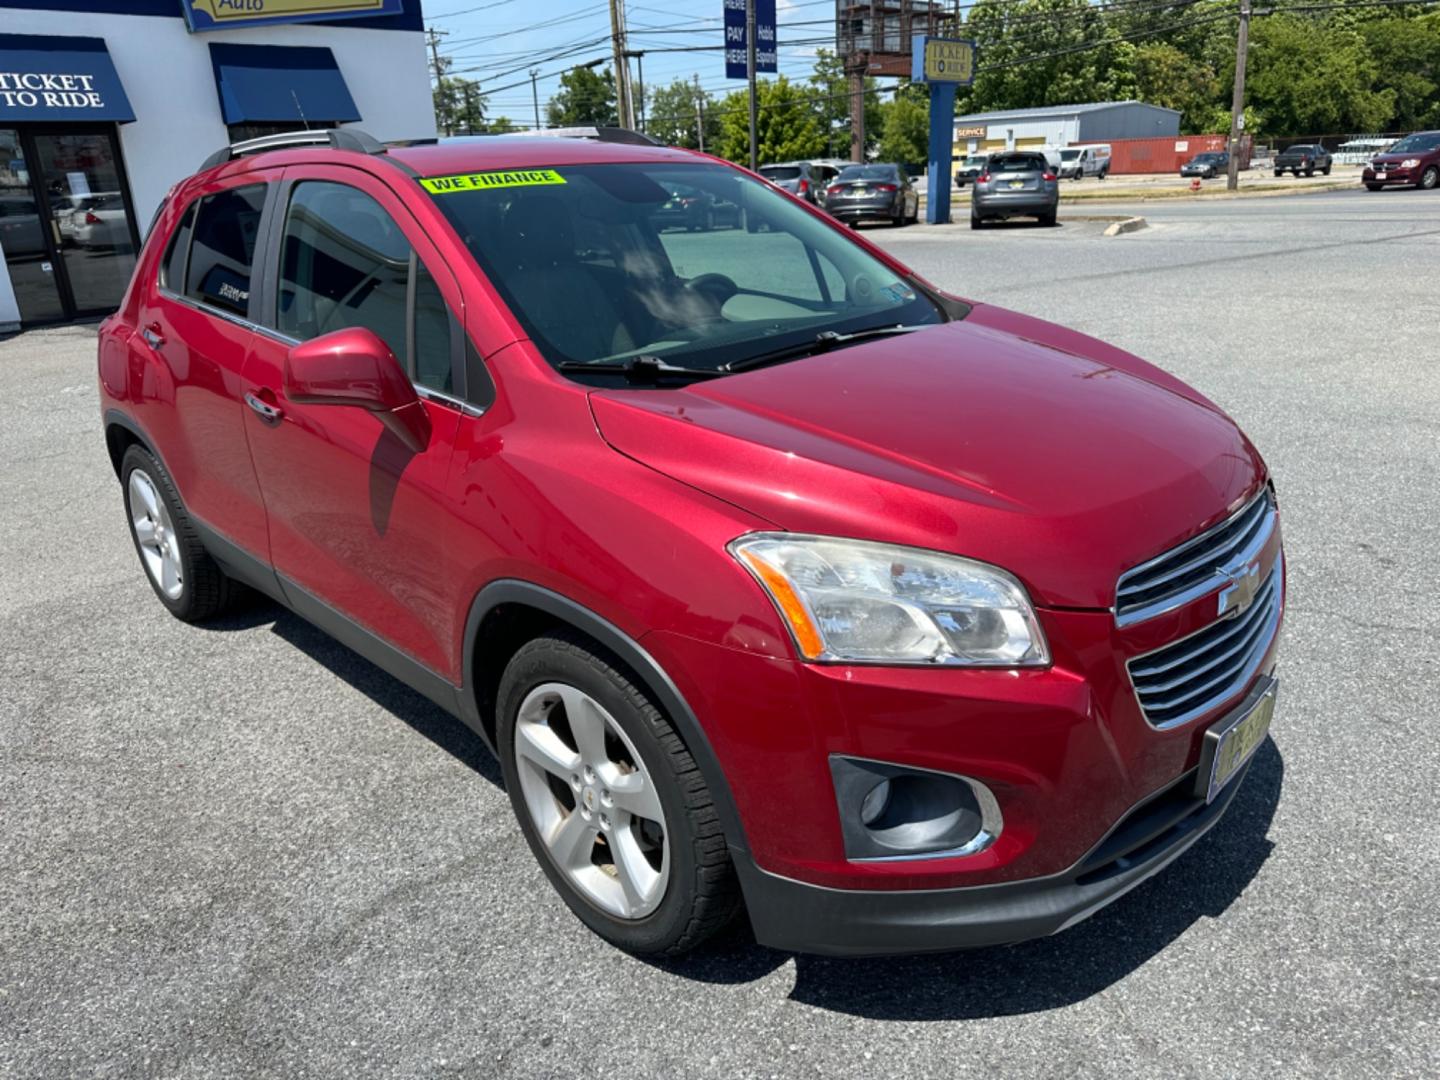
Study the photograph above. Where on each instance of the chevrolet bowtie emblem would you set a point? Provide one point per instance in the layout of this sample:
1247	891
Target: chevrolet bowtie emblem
1240	593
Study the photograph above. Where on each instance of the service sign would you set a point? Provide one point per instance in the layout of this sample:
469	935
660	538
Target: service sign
220	14
943	60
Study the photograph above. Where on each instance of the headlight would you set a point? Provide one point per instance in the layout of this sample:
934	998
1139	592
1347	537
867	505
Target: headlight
1410	163
851	600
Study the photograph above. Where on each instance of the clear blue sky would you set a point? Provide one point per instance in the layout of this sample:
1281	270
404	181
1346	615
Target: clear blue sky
497	41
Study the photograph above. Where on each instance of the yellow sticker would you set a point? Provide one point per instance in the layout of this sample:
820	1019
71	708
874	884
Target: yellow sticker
446	185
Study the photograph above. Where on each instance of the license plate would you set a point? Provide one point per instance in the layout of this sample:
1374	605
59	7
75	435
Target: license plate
859	190
1379	176
1014	184
1232	741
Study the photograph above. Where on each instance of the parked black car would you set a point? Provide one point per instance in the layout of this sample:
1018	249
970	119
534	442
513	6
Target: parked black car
1207	165
1308	158
1018	184
695	211
873	193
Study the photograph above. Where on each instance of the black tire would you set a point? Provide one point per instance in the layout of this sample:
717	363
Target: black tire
703	894
976	221
1279	172
1325	171
205	591
1310	171
1373	187
1430	177
1049	220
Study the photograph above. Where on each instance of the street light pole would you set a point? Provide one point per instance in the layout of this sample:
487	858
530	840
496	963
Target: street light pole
1237	100
535	95
750	76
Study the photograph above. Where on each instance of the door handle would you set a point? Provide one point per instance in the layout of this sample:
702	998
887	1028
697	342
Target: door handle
152	335
267	412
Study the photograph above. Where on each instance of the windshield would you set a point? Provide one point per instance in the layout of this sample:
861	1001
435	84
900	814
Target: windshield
1206	158
867	172
1417	144
598	269
1069	155
780	172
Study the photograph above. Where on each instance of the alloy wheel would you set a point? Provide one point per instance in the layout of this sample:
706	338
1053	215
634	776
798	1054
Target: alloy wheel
155	535
592	801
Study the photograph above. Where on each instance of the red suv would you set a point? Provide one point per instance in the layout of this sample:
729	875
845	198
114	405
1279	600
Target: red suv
770	571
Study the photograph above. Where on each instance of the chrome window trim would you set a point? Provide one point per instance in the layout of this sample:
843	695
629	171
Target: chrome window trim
1270	624
1167	604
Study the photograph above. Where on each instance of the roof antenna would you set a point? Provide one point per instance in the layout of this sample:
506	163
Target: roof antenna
299	108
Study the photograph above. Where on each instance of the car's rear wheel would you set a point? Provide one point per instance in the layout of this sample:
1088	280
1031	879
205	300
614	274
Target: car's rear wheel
1325	171
610	800
187	581
1048	220
976	221
1430	177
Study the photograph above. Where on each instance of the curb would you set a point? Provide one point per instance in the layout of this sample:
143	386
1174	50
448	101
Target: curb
1129	225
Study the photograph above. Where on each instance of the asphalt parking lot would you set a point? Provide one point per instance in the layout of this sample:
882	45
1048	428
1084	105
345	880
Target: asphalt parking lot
243	851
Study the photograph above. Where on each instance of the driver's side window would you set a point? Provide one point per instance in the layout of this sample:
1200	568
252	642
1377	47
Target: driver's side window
345	263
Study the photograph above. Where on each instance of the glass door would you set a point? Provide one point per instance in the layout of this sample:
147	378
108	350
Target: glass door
30	255
66	227
89	214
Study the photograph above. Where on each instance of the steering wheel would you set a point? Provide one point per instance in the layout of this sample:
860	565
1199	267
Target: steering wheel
717	288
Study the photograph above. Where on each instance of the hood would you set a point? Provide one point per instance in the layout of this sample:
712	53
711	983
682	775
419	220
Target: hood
1395	159
965	437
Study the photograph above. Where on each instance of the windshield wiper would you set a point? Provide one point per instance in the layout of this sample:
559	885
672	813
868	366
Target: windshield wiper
642	369
822	342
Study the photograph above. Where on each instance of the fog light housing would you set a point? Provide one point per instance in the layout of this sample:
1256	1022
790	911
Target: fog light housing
892	811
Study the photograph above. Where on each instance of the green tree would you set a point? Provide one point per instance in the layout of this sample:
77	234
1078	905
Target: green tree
831	91
584	98
905	126
674	112
1167	77
785	126
1406	51
1308	78
459	104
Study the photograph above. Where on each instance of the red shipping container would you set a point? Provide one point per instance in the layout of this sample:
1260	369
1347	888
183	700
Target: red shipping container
1165	155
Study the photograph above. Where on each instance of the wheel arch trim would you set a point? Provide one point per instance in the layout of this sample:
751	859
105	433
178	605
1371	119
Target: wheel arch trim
652	675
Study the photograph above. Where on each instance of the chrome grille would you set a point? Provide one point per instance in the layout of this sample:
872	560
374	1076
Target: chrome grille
1189	571
1189	677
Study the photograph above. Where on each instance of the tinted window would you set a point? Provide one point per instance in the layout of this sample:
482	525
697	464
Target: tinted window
780	172
868	172
172	270
223	249
345	263
1018	163
1069	155
592	264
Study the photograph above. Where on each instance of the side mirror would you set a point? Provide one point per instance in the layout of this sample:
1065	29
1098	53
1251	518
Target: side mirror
354	367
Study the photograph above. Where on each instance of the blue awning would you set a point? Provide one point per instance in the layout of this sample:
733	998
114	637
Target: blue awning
59	78
268	83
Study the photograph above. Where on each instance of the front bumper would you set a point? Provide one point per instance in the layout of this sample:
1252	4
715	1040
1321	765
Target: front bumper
1396	175
791	915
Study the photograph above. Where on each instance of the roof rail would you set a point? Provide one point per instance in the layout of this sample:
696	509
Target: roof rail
334	138
597	132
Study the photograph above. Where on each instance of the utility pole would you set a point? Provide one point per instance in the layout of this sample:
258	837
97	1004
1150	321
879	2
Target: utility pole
433	36
1237	102
856	71
622	87
750	77
699	115
640	78
535	95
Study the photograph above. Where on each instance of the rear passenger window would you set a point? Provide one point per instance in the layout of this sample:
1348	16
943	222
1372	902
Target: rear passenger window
223	249
172	269
345	263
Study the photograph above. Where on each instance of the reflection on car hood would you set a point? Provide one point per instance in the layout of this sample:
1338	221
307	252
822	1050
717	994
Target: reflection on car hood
1000	437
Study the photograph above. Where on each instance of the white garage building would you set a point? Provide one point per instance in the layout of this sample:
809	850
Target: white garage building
1061	125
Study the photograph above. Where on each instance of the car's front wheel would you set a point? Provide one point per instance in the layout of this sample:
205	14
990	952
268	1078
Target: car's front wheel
184	577
610	799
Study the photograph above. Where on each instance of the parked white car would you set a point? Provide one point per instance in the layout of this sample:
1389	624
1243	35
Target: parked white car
101	224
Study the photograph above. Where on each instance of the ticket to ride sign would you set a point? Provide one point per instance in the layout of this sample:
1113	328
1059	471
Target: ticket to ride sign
219	14
943	60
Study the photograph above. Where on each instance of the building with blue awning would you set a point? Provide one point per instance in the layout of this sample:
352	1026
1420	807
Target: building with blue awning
104	104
